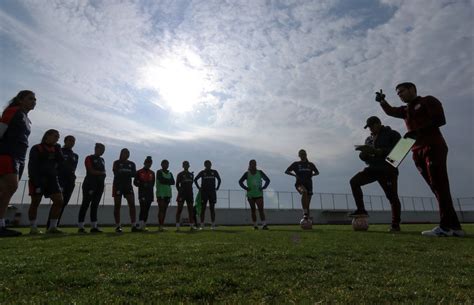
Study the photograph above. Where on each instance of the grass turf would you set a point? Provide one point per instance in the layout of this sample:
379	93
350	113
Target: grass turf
237	265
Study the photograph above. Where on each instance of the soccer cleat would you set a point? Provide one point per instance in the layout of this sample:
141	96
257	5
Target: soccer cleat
459	233
357	213
96	230
54	231
118	230
82	231
4	232
255	228
438	232
35	231
265	227
394	229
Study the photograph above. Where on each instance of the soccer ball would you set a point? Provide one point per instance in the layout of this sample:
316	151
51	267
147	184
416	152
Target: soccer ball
360	223
306	224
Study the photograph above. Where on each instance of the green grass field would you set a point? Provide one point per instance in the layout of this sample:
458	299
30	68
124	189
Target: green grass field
236	265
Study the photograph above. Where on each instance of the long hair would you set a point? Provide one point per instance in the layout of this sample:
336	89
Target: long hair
47	134
16	100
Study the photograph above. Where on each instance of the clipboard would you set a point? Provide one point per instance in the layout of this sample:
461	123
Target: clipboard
400	151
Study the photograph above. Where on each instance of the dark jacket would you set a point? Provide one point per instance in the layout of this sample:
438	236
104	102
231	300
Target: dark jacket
384	141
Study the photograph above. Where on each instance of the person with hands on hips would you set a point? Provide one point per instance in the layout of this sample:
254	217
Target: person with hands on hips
304	171
208	190
254	190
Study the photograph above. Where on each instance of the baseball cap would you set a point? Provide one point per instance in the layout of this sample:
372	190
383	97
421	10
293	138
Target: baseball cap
371	121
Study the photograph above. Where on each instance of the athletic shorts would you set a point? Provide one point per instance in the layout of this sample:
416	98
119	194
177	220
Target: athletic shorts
256	199
189	198
49	186
165	199
122	191
301	187
210	197
10	165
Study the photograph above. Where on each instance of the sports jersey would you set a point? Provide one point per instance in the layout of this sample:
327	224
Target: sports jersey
184	184
424	115
208	180
145	181
124	171
67	169
254	183
303	170
96	163
164	180
14	141
43	163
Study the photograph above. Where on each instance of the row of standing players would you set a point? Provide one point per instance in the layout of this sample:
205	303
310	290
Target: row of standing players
423	118
52	169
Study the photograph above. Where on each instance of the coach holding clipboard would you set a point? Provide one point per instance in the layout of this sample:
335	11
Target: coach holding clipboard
423	116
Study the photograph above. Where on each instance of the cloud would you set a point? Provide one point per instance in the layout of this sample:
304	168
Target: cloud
265	78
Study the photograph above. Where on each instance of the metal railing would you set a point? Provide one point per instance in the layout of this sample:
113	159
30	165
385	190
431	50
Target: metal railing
284	200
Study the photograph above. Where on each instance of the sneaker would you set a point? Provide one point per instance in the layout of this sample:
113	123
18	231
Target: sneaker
54	231
96	230
265	227
438	231
358	213
255	228
35	231
4	232
82	231
394	229
118	230
459	233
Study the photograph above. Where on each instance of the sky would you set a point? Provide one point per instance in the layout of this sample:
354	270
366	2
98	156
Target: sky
231	81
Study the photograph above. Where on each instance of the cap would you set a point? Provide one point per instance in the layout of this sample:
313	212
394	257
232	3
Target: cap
371	121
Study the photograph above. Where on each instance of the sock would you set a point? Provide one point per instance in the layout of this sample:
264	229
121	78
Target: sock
254	223
142	224
94	224
80	225
33	223
53	223
2	222
213	224
117	225
177	225
134	224
264	223
305	212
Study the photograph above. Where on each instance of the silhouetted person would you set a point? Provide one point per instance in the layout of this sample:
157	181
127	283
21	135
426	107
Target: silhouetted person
92	188
304	171
67	173
208	190
14	132
145	181
254	188
423	117
377	146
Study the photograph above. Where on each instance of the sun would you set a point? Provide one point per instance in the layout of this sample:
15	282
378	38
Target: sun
181	80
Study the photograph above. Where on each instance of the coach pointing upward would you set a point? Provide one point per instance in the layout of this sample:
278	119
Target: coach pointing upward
423	116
